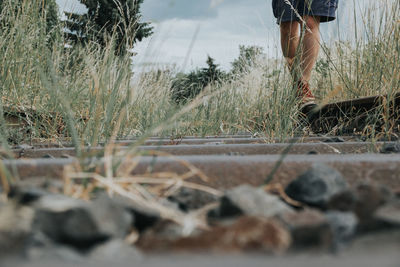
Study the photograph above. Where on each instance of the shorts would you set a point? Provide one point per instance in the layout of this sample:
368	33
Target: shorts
326	9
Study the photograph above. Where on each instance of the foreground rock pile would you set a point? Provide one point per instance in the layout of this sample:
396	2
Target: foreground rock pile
317	211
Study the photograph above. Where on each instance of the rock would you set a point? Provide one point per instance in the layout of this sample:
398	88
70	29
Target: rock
309	229
15	228
363	200
391	148
252	201
116	251
190	199
312	152
343	226
369	197
316	186
25	195
389	213
112	218
248	233
54	252
78	223
343	201
48	156
144	218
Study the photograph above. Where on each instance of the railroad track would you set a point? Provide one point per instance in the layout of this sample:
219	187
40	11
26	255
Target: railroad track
354	115
229	162
220	163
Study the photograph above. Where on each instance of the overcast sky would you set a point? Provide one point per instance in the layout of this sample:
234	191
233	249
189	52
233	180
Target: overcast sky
215	28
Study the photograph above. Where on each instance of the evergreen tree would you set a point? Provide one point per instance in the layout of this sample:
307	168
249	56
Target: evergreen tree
120	18
188	86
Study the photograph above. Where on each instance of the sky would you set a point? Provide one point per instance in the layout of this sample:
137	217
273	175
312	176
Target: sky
187	31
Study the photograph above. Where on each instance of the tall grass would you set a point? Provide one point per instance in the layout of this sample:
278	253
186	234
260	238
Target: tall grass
90	95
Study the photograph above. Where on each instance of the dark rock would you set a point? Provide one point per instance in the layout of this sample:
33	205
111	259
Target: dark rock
389	213
312	152
116	251
80	224
190	199
316	186
343	226
25	195
144	217
252	201
369	197
309	229
343	201
48	156
334	140
391	148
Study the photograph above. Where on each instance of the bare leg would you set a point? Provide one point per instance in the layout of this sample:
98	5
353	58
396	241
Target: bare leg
290	38
310	47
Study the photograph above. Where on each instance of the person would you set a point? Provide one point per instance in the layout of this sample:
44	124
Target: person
299	22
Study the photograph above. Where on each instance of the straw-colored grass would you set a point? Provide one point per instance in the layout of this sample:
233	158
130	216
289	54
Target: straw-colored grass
88	94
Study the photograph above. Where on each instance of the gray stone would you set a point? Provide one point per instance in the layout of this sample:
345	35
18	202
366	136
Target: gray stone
78	223
316	186
112	218
343	226
251	201
115	250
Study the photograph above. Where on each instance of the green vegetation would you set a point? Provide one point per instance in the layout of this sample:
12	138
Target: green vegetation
87	93
117	19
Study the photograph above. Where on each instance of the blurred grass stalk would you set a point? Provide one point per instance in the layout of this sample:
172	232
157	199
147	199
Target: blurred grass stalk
88	94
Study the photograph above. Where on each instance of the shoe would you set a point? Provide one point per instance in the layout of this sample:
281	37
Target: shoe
304	94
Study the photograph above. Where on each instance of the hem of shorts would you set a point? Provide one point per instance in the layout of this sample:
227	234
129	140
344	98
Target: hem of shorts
324	19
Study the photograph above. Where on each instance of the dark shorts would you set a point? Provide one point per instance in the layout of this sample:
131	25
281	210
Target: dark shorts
326	9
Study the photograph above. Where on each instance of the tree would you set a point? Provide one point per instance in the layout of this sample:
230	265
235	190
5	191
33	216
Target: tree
118	18
247	59
188	86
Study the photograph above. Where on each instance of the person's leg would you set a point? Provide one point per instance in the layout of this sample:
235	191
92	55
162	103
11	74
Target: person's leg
310	47
290	39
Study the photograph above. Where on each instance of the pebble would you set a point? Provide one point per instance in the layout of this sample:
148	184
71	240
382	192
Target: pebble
316	186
